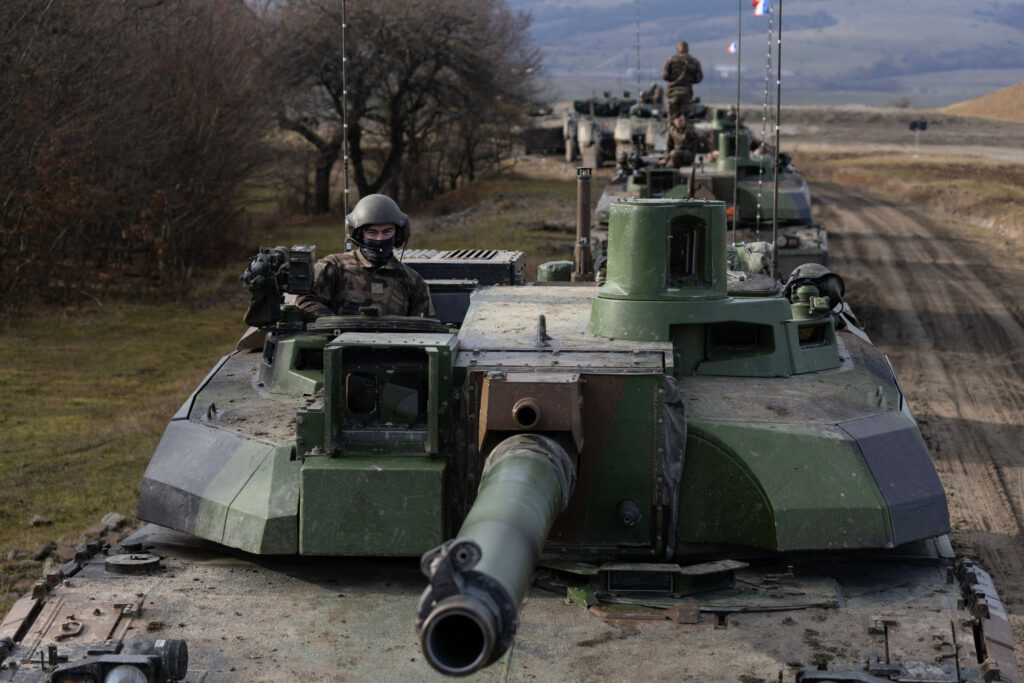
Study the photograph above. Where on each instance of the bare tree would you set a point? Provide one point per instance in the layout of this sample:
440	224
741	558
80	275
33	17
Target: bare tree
127	129
434	88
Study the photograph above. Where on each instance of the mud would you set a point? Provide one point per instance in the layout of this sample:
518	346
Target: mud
943	301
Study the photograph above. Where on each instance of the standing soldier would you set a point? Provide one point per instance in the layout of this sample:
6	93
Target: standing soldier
682	71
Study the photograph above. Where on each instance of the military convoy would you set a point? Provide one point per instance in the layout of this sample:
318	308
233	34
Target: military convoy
738	171
600	130
735	172
683	471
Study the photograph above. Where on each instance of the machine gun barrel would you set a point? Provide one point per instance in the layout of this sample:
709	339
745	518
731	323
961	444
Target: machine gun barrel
469	612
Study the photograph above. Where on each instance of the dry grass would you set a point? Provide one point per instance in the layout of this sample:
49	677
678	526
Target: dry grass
1006	104
531	208
87	394
535	215
987	194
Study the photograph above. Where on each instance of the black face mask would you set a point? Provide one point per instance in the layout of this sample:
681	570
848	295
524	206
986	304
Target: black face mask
378	252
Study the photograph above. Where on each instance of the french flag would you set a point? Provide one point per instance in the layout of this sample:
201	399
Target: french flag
733	47
761	7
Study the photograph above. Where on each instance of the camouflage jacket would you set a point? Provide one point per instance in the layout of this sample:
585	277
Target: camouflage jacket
682	71
684	139
344	283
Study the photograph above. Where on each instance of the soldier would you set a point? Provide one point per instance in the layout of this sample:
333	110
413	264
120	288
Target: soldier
653	95
729	121
370	275
682	71
682	145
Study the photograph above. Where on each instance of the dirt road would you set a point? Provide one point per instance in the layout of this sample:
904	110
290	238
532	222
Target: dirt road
944	304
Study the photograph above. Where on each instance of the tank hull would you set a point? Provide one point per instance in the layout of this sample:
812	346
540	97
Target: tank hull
255	618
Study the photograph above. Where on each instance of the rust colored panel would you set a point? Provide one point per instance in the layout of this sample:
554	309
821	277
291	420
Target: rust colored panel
531	402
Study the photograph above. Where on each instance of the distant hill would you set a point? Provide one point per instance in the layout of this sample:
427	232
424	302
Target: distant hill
1003	105
925	53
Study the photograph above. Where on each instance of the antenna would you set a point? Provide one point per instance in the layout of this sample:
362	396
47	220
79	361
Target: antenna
344	97
775	160
764	123
736	166
637	50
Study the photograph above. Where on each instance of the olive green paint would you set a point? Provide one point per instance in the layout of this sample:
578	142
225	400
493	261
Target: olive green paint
620	466
781	451
779	487
235	508
642	236
371	506
654	294
262	518
520	496
290	374
347	433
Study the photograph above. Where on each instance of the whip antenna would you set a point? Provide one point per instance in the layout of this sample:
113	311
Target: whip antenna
736	166
775	160
344	97
764	122
637	50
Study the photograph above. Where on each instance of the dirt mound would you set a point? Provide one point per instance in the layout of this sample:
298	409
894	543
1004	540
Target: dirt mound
1004	105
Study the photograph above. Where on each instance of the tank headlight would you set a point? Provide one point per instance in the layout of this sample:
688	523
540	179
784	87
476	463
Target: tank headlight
787	242
125	673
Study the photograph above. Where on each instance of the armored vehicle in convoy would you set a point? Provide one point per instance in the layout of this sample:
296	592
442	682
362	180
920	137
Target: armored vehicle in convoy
678	472
629	128
733	173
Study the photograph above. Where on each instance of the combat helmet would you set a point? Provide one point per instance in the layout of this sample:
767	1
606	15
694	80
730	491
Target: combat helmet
827	282
377	209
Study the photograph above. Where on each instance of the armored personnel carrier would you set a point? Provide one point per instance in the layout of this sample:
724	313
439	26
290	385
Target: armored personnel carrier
667	474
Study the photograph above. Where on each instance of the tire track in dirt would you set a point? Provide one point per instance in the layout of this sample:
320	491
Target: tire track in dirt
939	303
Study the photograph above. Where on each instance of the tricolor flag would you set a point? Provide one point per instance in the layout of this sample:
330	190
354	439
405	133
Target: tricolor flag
761	7
733	47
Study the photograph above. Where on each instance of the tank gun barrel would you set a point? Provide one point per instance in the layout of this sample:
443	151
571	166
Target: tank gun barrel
469	612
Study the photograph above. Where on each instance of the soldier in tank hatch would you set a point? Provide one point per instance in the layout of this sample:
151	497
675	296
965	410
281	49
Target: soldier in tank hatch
730	123
682	71
653	95
370	275
683	144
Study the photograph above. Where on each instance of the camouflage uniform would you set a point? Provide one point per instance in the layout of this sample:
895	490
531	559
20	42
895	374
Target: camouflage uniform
682	145
344	283
653	95
681	71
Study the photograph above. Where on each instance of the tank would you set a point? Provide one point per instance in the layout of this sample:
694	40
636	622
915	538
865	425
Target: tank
588	140
602	129
676	472
750	177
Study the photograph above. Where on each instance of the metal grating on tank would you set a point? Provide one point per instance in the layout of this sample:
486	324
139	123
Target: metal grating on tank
484	266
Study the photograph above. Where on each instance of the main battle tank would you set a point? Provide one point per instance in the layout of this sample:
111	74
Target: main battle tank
667	474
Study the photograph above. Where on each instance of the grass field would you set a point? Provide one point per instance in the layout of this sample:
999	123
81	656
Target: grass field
988	194
86	396
88	391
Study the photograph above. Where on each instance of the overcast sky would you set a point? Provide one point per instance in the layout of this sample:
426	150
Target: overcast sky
930	52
